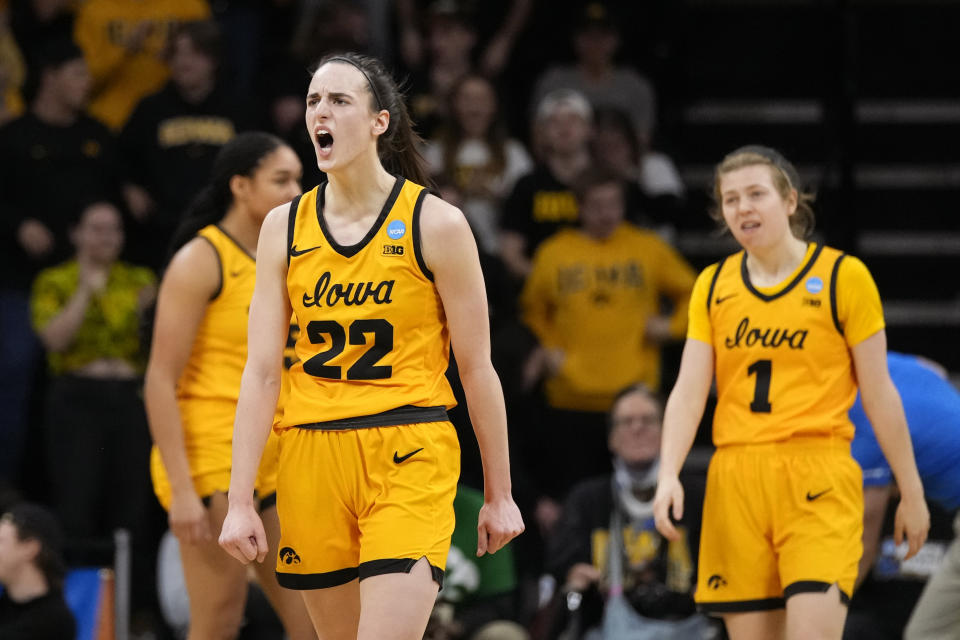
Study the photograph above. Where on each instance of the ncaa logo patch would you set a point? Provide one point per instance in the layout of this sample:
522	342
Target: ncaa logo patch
814	284
396	229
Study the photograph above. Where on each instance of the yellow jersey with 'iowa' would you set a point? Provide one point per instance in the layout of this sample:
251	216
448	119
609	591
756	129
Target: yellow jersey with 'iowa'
782	354
220	347
373	346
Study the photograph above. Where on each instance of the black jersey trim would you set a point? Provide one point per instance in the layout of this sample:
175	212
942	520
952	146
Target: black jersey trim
372	568
235	242
417	243
292	224
745	275
713	282
216	252
742	606
833	293
325	580
814	586
352	250
391	418
267	501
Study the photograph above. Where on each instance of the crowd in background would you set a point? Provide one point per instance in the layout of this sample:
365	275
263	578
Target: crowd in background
112	113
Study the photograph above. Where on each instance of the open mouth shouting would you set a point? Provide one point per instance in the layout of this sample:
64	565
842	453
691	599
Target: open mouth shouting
324	140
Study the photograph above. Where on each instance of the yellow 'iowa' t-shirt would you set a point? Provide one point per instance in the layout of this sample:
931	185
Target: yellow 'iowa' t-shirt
782	354
592	298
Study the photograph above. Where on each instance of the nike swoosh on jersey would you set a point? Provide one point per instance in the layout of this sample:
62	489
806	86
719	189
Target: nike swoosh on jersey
296	252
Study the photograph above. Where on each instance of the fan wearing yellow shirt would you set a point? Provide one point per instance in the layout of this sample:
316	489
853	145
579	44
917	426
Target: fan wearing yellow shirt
124	42
789	328
193	381
593	300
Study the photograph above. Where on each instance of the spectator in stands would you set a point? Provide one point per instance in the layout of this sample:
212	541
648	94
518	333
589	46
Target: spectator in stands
52	158
451	35
124	41
542	201
510	19
473	154
170	141
31	574
87	312
932	407
605	84
605	542
657	191
593	299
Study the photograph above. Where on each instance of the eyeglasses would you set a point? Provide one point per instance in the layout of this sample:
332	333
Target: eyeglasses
646	421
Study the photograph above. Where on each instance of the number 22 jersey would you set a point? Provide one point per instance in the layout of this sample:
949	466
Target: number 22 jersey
373	345
782	354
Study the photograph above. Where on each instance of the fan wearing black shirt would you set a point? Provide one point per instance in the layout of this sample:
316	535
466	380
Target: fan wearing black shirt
53	160
170	142
32	606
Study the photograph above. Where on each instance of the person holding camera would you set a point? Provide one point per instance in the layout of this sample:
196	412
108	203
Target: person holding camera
622	579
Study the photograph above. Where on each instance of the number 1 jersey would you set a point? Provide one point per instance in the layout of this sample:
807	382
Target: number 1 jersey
782	354
373	340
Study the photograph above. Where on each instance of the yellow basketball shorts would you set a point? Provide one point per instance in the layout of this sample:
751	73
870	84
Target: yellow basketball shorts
779	519
208	437
363	502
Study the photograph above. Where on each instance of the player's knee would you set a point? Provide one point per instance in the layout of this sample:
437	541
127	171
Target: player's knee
220	620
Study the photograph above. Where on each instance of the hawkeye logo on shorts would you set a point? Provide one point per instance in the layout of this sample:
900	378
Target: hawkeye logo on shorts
393	250
716	581
396	229
288	556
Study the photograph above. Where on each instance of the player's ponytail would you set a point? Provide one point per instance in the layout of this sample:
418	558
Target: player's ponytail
241	156
399	146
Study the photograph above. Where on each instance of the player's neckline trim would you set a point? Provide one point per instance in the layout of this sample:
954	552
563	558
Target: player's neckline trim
229	237
745	275
352	250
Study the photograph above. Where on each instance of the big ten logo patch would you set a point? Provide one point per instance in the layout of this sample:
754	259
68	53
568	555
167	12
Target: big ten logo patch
392	250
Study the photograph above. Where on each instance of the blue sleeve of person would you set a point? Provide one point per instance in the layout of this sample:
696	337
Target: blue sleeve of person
932	407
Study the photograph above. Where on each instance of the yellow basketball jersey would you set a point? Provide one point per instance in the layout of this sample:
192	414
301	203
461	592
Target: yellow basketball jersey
220	346
373	345
783	364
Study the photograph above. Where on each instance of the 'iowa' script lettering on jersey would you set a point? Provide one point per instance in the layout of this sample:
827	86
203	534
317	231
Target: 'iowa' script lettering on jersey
350	294
765	336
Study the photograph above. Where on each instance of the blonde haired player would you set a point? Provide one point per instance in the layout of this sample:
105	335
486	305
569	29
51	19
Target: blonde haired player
789	328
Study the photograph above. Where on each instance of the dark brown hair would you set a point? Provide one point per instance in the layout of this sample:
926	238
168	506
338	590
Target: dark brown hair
398	146
596	176
636	387
785	179
204	35
452	134
35	522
